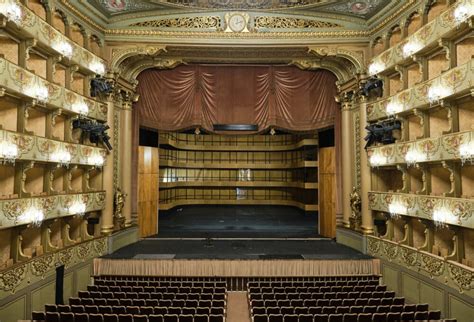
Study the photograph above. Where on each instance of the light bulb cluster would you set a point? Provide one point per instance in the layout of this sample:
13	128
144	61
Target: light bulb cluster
62	156
11	10
442	216
413	156
33	216
38	90
466	151
63	47
397	208
412	47
97	67
377	160
376	67
80	107
8	151
77	208
96	160
437	92
394	108
463	12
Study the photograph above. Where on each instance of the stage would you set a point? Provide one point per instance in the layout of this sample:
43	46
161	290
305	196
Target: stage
242	258
237	222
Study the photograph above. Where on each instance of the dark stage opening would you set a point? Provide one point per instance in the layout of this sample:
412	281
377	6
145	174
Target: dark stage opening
219	221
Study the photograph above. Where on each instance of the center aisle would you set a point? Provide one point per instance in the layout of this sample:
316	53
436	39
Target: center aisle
237	307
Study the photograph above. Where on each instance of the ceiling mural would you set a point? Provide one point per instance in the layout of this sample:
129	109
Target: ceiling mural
360	8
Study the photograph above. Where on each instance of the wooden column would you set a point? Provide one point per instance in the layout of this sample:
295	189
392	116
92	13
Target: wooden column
327	192
148	180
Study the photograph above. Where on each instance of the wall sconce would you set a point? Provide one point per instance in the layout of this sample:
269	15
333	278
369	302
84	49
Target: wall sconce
466	152
37	90
8	151
80	107
63	157
397	208
437	92
77	208
411	47
376	67
33	215
463	12
394	108
63	47
97	67
441	216
96	160
377	160
413	157
11	10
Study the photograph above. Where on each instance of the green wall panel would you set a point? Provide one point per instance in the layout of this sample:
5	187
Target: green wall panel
460	310
13	311
390	278
410	288
43	295
83	277
431	295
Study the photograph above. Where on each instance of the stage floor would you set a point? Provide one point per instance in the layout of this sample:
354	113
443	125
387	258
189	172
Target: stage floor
237	222
288	249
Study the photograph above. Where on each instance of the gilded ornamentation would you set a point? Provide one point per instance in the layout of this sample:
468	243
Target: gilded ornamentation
462	277
42	265
199	22
10	279
409	257
83	250
390	250
66	256
373	246
100	246
275	22
433	265
13	209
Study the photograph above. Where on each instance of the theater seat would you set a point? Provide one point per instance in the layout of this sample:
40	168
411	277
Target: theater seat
81	317
155	318
259	318
94	317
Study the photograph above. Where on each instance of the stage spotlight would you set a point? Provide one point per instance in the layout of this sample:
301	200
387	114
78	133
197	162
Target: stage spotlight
382	132
373	85
95	130
100	86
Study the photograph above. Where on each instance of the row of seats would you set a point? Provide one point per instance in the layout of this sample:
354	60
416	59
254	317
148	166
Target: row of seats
348	317
311	283
159	283
330	302
84	317
146	310
157	289
144	295
316	289
320	296
147	302
340	309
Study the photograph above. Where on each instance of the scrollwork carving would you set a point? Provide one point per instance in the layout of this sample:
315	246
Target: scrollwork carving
10	279
275	22
200	22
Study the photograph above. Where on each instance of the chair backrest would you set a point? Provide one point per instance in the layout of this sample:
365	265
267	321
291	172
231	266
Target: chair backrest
290	318
364	317
110	317
305	318
155	318
81	317
125	318
336	317
260	318
170	318
350	317
273	318
201	318
185	318
38	315
95	317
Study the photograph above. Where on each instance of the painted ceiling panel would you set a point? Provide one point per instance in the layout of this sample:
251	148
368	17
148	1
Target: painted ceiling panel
360	8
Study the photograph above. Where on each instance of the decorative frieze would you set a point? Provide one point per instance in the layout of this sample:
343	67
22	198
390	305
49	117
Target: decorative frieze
421	206
55	206
444	26
36	148
456	81
444	148
19	81
23	274
198	22
445	271
32	26
277	22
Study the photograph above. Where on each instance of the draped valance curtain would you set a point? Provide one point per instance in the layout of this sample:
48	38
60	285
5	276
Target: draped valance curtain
202	95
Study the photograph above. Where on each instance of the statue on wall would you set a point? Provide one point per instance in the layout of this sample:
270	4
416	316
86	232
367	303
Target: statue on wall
355	208
119	202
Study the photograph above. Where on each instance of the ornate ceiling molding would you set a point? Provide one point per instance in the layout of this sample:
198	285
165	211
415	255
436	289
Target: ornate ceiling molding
279	22
198	22
119	55
355	57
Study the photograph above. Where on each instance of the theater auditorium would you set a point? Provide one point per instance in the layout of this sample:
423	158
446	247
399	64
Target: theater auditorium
236	160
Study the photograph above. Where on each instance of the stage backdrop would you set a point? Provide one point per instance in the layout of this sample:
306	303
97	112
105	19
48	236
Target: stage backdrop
202	95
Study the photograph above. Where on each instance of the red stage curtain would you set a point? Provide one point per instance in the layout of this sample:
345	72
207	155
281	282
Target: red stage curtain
202	95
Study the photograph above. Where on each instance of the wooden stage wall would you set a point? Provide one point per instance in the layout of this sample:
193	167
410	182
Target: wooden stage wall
327	192
235	268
